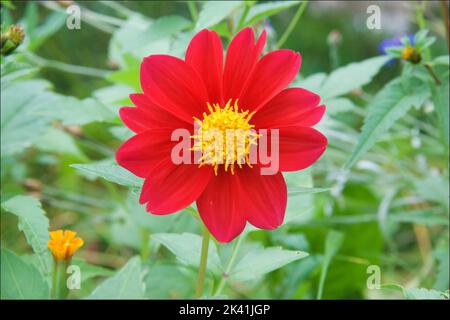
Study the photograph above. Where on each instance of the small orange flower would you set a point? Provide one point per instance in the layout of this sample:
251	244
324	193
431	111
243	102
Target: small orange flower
411	54
63	244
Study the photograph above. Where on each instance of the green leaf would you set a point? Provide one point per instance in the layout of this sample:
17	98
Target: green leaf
257	263
441	256
440	97
214	12
267	9
89	271
58	141
423	294
110	171
333	243
72	111
339	105
125	284
19	127
167	281
34	224
352	76
389	105
21	280
312	83
187	247
299	191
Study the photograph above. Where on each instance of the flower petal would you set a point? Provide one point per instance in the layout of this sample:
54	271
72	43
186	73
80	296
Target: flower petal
268	198
173	85
205	55
147	115
294	106
272	74
139	153
170	188
242	57
222	207
300	147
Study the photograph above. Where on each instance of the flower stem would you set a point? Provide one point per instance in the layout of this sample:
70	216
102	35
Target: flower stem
433	74
192	10
444	6
291	26
54	292
229	266
202	267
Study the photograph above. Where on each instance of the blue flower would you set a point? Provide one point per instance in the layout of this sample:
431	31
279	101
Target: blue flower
393	42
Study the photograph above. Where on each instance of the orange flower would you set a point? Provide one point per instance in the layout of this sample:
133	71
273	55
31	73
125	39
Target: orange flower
63	244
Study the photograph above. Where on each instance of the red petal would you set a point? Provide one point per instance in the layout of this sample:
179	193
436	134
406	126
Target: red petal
272	74
205	55
173	85
222	207
170	188
267	198
294	106
147	115
229	200
139	153
242	57
300	147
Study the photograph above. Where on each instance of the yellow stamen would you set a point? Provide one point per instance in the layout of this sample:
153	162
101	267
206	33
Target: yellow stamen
63	244
225	136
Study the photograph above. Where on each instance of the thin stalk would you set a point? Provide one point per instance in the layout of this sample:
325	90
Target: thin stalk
244	16
291	26
225	275
54	292
192	10
433	74
145	247
87	71
202	266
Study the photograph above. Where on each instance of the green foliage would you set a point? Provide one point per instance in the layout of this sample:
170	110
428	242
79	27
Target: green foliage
389	105
34	224
125	284
21	280
381	185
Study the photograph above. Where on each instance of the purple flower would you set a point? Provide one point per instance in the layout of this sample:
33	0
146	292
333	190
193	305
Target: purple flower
393	42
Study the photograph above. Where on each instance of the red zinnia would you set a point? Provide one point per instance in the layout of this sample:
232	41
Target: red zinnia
177	91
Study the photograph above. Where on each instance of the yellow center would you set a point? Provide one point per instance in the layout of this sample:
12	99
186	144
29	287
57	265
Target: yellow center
407	52
224	136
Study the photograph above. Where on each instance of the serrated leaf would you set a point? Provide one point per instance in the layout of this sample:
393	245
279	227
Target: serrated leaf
73	111
187	247
110	171
125	284
20	128
213	12
257	263
58	141
263	10
389	105
352	76
21	280
34	224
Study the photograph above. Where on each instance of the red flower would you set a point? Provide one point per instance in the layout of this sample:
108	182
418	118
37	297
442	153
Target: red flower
177	91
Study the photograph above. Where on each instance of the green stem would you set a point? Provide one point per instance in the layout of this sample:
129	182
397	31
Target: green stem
87	71
229	266
203	263
291	26
192	10
244	16
145	248
54	292
433	74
